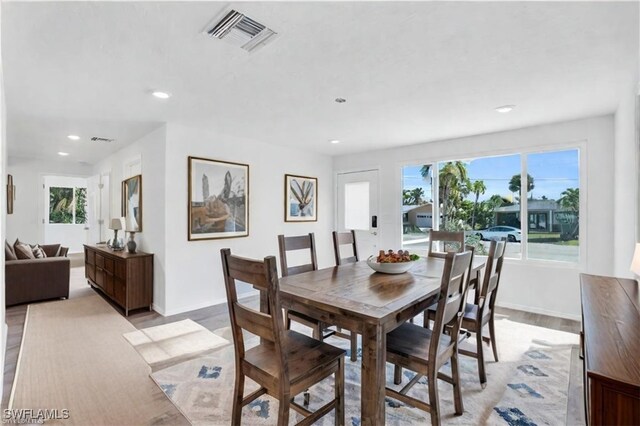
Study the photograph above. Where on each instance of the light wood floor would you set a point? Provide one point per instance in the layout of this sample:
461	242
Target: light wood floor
215	317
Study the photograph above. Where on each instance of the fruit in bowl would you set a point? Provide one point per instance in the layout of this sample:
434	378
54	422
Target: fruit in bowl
391	262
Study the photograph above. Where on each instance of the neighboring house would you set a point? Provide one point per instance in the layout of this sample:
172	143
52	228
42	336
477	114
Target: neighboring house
417	216
544	216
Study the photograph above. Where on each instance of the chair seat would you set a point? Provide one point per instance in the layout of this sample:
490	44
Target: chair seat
306	355
412	341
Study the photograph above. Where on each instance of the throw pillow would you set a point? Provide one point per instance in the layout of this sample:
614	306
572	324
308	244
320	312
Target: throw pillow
9	253
38	252
23	251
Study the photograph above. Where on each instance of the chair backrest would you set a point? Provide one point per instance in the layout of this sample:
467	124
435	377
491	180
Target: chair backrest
300	242
451	242
492	272
263	275
341	239
452	298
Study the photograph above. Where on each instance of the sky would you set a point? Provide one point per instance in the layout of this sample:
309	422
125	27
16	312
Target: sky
552	172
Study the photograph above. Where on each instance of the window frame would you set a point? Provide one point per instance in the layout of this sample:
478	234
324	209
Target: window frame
73	191
579	145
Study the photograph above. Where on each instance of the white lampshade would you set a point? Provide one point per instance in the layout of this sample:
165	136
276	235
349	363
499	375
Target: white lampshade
117	223
635	263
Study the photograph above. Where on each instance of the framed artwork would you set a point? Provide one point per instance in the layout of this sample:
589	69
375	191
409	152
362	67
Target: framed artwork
132	203
218	199
300	198
11	194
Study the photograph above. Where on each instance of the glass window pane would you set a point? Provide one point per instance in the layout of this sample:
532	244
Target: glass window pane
356	206
481	197
554	206
417	207
60	205
81	205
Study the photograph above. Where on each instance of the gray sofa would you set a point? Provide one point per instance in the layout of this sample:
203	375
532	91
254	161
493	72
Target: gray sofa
32	280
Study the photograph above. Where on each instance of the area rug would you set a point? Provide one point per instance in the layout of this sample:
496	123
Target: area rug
169	344
73	358
527	387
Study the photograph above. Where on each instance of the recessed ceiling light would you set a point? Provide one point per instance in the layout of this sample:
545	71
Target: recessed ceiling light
341	100
74	137
334	141
63	154
161	95
505	108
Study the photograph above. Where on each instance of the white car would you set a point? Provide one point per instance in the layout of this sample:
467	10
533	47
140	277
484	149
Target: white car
498	232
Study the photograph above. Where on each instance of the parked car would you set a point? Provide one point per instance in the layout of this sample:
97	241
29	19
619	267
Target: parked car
498	232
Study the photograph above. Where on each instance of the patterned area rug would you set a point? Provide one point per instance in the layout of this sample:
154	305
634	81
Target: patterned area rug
527	387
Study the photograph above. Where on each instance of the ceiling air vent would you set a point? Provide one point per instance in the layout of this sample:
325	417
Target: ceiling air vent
242	31
99	139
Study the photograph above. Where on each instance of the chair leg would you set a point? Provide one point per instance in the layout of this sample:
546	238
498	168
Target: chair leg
397	374
354	346
425	320
339	393
283	409
238	393
480	353
434	402
317	332
492	334
457	392
287	319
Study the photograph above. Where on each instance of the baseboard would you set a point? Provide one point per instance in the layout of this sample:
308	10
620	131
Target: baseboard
540	311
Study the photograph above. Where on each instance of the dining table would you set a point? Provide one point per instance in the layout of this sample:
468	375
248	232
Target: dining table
355	297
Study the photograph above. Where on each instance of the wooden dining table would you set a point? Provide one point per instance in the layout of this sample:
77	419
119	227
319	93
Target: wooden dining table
370	303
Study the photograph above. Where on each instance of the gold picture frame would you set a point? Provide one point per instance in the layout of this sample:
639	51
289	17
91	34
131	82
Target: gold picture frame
132	203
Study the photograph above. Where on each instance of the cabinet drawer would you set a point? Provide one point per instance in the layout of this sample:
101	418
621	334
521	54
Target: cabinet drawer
90	272
120	290
89	257
108	284
99	261
121	270
100	277
109	265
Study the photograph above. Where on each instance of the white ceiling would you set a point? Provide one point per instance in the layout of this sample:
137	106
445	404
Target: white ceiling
411	71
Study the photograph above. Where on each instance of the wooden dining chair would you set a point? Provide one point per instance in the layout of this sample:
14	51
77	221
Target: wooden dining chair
344	239
285	363
477	316
451	242
425	350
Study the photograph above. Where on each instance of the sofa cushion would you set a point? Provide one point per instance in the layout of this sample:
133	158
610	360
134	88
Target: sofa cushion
9	253
38	252
23	250
51	250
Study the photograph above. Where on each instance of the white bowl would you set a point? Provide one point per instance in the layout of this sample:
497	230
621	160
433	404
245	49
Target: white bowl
389	268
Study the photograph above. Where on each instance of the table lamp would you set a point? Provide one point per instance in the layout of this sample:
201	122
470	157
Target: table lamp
116	224
635	263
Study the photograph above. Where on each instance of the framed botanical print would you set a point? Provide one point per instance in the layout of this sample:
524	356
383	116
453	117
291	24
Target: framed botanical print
300	198
132	203
218	199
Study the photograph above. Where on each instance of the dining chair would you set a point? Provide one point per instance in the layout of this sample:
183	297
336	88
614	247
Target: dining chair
424	350
346	239
478	315
285	362
452	241
300	242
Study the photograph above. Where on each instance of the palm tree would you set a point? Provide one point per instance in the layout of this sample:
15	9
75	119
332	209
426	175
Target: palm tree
478	187
515	184
453	183
570	200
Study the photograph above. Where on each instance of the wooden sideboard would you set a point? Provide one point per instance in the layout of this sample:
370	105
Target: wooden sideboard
611	349
125	278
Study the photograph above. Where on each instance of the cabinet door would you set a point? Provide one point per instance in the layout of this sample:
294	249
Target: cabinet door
100	277
90	272
120	289
89	256
108	288
99	261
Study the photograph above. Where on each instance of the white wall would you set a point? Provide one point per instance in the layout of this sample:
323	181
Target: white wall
3	212
625	183
542	287
150	151
26	221
194	270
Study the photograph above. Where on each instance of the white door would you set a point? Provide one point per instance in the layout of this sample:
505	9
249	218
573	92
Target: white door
357	208
93	225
